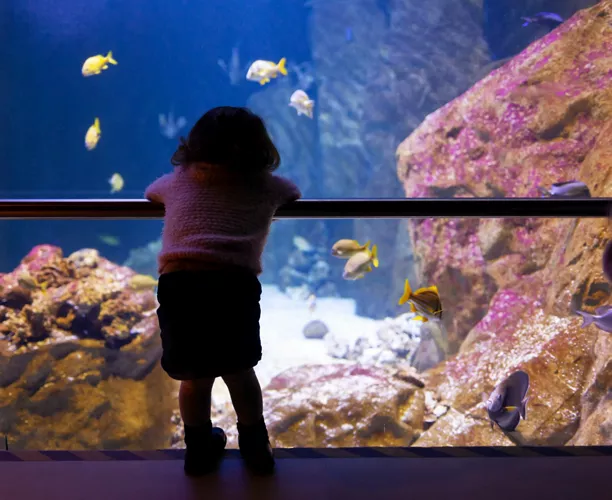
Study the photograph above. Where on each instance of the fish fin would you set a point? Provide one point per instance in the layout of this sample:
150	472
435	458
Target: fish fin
407	293
413	307
602	310
484	397
162	120
181	122
97	124
424	319
543	191
587	318
109	58
375	255
523	408
365	245
281	66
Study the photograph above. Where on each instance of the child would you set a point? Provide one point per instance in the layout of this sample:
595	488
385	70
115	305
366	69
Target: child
219	203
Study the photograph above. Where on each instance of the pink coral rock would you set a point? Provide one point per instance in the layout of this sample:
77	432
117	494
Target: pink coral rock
510	287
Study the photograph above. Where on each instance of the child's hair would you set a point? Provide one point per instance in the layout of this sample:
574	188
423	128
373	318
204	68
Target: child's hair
231	137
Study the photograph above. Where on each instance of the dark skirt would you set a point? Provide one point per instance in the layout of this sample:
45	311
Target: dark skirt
209	322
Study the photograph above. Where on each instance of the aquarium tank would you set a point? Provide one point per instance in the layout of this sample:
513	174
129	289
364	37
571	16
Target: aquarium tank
468	332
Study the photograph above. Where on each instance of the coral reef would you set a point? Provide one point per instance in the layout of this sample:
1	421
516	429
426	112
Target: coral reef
511	286
398	341
79	356
307	273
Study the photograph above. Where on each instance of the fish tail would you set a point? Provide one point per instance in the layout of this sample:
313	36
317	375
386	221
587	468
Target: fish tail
97	124
375	256
281	66
407	293
523	408
587	318
109	58
543	191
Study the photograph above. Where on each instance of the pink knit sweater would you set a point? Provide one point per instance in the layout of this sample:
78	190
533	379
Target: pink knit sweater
217	216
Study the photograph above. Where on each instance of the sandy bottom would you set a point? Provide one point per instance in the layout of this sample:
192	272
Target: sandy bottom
284	345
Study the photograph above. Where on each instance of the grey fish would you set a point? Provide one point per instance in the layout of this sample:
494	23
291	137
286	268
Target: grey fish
548	19
568	189
602	318
507	403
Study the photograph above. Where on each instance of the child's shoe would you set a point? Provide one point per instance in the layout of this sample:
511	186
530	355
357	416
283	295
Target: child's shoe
255	447
205	448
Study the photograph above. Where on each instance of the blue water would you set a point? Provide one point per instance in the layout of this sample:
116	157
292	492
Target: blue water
167	53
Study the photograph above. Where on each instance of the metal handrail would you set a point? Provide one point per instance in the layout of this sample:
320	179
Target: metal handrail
326	209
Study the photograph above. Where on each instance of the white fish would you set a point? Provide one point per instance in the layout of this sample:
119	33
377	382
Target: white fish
302	244
263	71
169	127
302	103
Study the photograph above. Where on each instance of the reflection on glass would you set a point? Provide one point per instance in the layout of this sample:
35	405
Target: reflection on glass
344	364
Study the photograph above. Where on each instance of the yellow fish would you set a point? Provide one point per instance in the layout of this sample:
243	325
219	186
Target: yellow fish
312	303
425	301
116	182
95	64
93	135
140	282
345	249
262	71
360	264
110	240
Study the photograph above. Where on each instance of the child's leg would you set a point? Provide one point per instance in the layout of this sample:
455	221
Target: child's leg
252	433
245	391
204	443
194	401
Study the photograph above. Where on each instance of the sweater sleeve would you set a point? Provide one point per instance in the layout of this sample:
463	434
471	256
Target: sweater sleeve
156	191
287	190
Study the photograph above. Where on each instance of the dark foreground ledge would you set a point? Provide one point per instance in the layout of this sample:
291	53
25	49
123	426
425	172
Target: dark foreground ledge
326	209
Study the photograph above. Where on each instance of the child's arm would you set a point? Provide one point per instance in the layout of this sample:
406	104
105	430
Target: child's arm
155	192
287	191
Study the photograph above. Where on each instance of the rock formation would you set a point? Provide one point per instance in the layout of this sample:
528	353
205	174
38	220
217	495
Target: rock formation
510	286
79	356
